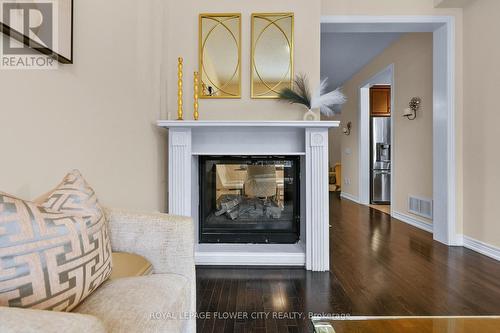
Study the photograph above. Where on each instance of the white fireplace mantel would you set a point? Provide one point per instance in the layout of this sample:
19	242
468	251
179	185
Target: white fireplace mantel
309	139
245	123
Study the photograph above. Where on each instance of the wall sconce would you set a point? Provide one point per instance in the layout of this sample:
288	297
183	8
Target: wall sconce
347	130
414	106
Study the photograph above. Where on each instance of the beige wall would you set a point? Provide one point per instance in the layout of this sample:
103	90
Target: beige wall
334	150
481	119
451	3
385	7
412	58
182	28
99	114
96	115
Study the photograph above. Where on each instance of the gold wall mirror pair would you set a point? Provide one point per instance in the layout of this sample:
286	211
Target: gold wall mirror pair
220	54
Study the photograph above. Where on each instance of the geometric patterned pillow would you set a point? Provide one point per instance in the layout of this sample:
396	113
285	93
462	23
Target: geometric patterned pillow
55	253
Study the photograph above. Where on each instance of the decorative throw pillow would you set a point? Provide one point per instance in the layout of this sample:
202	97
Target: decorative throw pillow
55	253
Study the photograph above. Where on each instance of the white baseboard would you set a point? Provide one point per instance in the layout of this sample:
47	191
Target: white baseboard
413	221
458	240
350	197
250	255
481	247
461	240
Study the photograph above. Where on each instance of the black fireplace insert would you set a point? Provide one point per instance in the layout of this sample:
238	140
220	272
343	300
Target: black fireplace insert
250	199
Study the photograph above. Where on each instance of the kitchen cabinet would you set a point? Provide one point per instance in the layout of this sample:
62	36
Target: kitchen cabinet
380	101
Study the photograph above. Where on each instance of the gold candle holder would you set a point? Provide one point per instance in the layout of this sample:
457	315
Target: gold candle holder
196	114
180	112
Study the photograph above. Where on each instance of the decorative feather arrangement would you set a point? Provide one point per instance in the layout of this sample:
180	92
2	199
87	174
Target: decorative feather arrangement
326	101
300	94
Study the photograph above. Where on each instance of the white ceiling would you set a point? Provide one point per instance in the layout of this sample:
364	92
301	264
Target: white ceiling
345	54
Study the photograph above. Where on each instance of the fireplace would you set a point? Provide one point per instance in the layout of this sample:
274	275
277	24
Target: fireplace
249	199
291	145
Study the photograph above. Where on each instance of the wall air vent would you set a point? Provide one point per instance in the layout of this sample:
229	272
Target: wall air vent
420	206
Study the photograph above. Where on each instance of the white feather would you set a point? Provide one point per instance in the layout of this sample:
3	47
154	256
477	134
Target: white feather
326	102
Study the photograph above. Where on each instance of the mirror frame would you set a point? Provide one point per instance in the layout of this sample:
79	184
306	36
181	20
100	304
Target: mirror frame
290	40
200	52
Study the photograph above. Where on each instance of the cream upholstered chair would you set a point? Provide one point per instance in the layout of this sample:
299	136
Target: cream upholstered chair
162	302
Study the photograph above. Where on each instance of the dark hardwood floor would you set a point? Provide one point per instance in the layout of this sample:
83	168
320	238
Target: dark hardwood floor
379	266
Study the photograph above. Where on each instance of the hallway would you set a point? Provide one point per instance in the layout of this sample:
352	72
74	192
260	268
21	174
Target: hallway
380	266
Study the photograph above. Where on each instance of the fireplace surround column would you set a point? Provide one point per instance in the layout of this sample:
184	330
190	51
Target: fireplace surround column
179	175
317	200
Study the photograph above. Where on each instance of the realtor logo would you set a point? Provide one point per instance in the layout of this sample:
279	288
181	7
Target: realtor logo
29	34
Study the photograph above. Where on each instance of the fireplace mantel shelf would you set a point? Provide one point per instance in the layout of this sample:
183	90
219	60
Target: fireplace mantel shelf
233	123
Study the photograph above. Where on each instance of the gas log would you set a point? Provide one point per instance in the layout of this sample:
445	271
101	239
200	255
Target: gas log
236	206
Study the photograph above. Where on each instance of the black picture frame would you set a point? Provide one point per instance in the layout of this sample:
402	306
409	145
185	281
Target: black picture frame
12	33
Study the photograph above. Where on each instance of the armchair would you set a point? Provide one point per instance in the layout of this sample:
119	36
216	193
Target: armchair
161	302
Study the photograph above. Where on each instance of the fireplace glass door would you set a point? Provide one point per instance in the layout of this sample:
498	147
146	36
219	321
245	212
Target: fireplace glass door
249	199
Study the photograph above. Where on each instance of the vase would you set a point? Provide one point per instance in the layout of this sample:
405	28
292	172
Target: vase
310	116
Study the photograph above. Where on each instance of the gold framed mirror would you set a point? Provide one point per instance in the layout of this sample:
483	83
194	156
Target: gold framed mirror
220	55
272	53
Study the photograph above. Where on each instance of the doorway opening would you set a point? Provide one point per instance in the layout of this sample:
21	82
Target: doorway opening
443	118
376	138
380	145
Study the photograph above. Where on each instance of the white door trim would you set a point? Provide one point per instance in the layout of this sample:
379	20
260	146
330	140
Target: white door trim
364	145
444	173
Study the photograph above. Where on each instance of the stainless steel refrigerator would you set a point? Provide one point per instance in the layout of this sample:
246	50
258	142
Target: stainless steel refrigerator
381	160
